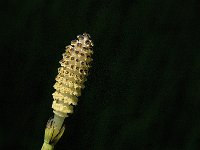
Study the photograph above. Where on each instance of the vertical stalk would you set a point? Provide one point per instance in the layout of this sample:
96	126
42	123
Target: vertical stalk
69	82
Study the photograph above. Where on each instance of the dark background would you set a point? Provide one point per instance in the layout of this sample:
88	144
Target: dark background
143	92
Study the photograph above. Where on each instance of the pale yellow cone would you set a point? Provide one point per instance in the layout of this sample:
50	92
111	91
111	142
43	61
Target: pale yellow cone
69	82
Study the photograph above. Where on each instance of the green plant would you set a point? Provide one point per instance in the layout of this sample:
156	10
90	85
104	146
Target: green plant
69	82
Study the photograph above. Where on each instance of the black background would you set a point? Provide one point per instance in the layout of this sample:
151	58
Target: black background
143	92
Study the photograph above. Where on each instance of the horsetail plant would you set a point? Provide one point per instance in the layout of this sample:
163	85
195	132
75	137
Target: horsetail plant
69	82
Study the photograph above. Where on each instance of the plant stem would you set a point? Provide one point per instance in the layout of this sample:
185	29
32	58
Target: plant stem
53	132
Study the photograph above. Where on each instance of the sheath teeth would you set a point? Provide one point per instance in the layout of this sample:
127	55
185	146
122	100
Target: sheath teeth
72	74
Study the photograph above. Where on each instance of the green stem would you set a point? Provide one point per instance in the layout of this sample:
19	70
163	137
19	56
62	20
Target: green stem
58	121
53	132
